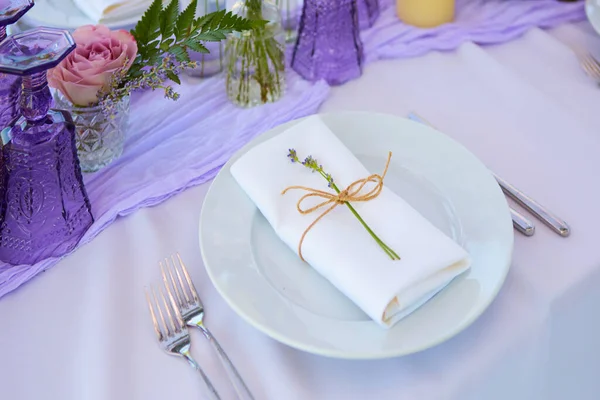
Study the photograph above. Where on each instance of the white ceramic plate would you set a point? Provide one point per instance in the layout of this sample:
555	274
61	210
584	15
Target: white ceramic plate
266	283
592	10
65	15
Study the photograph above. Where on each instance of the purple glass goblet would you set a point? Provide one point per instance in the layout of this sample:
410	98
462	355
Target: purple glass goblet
328	45
44	208
10	86
368	12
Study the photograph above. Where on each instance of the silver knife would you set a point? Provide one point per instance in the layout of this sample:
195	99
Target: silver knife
556	224
520	222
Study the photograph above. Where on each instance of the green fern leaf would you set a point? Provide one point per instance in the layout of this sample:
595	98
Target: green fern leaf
205	19
149	23
168	17
195	46
185	21
171	75
211	36
180	53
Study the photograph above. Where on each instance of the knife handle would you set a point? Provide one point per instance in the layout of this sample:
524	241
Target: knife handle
556	224
521	223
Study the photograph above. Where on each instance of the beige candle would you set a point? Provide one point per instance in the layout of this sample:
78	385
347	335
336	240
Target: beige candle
425	13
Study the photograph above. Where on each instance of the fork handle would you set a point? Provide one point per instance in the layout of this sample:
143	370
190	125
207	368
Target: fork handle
213	395
234	376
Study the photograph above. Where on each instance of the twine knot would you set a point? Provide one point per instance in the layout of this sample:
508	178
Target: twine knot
350	194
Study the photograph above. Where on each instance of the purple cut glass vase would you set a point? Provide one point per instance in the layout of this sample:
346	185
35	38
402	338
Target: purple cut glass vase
368	12
10	86
328	45
44	208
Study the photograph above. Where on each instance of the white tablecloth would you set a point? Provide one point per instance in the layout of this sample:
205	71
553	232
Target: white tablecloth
81	330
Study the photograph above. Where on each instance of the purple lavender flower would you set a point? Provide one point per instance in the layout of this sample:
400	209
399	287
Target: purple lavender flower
292	155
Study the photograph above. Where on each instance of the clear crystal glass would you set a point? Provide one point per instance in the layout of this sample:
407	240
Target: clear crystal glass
255	58
44	208
99	139
291	10
212	63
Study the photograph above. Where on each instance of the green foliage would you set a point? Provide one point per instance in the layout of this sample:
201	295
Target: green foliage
163	31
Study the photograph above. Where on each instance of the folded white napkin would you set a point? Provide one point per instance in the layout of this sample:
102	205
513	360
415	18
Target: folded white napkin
105	11
338	246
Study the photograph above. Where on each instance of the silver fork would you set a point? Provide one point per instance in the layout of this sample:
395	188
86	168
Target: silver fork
172	334
590	65
193	314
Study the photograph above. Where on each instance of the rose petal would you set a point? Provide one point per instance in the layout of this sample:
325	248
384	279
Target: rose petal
81	95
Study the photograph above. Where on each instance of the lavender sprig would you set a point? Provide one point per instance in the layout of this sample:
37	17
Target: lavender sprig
152	78
312	164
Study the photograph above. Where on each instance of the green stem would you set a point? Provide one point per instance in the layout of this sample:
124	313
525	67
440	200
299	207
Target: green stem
391	253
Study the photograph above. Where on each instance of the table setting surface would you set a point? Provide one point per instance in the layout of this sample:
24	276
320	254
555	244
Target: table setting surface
525	108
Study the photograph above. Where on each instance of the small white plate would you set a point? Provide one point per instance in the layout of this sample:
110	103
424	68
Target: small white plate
64	14
266	283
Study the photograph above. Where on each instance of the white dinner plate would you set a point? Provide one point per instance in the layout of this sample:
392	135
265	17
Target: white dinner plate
64	14
592	10
267	285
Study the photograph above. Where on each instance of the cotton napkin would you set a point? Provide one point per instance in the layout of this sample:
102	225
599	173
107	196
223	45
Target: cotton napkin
338	246
105	11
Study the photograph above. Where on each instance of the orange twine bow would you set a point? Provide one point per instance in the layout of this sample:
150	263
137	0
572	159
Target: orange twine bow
351	193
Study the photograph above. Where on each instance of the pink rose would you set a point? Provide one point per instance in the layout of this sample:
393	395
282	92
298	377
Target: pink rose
88	69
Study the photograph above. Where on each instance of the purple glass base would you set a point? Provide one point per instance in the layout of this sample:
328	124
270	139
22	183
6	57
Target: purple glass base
368	12
44	208
328	45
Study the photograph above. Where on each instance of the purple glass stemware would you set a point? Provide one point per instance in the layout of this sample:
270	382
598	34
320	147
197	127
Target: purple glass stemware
368	12
44	208
328	45
10	86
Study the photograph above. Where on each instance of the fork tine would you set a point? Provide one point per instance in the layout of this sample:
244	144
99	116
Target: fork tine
168	309
595	68
587	64
594	61
185	292
187	278
590	65
160	313
178	316
165	280
159	334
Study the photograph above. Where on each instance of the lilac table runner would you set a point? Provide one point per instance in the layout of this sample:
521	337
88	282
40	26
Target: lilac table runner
176	145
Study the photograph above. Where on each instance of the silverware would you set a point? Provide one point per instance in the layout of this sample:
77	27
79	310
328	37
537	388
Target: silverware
192	310
521	223
590	65
556	224
172	333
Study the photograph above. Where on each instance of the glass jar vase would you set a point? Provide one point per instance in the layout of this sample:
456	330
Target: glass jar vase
291	10
255	58
99	138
